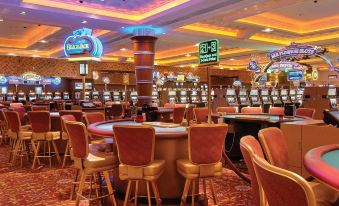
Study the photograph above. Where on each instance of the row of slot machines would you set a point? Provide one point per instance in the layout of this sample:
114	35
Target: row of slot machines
333	97
107	96
32	96
264	96
185	96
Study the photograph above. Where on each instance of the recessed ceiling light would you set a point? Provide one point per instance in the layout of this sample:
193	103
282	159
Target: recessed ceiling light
11	54
221	67
193	66
231	59
43	41
196	44
35	55
187	55
1	20
123	49
181	66
84	22
268	30
23	13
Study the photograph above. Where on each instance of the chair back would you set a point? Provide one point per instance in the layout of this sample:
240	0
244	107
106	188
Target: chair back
76	114
283	187
201	114
16	104
206	143
64	119
40	120
169	105
21	111
135	144
275	147
178	114
108	104
40	108
117	110
227	110
190	113
77	133
179	105
251	110
277	110
94	117
249	147
305	112
97	103
13	121
2	115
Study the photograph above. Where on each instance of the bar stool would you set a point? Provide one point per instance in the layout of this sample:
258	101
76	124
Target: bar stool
87	162
136	154
200	115
19	135
205	146
64	136
178	114
251	110
94	117
305	112
277	110
77	114
42	134
3	126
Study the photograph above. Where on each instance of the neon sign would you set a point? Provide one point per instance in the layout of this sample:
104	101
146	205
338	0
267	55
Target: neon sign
295	52
83	43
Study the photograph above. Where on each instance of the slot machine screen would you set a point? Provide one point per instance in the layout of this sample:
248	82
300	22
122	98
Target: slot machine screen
171	93
243	99
332	92
3	90
283	92
333	102
275	98
295	76
230	92
284	98
275	93
242	93
38	90
254	99
230	99
254	92
292	92
183	93
264	92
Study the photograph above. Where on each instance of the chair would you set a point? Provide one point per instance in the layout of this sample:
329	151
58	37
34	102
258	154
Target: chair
22	114
227	110
87	162
190	113
42	134
251	110
281	186
77	114
137	162
305	112
64	135
76	107
3	126
205	146
178	114
116	111
249	147
277	110
19	135
94	117
16	104
40	108
201	114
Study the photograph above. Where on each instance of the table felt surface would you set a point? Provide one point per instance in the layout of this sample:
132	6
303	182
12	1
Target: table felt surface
332	158
261	117
109	127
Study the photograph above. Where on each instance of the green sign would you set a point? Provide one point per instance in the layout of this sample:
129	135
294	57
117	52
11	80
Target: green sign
209	52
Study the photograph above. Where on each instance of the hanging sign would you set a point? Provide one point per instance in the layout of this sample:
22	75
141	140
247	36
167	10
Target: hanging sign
295	52
3	80
209	52
125	79
83	43
315	74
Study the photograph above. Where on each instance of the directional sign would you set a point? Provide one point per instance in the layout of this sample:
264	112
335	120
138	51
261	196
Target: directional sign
209	52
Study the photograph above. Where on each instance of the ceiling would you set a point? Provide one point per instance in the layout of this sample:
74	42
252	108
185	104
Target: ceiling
245	28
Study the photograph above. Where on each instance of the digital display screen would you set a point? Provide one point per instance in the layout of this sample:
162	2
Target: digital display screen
180	78
183	93
295	75
78	85
254	99
292	92
231	100
332	92
230	92
283	92
3	90
264	92
172	93
275	93
254	92
242	93
38	90
284	98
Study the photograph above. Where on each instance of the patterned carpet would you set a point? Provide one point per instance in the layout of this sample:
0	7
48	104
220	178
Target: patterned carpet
46	186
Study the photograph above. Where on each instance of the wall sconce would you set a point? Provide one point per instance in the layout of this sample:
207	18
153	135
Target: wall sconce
83	69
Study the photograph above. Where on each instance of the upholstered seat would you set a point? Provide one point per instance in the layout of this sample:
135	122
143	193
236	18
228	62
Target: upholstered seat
97	159
192	171
46	136
150	173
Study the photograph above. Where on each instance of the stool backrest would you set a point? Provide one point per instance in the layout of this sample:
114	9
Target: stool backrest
94	117
76	114
227	110
21	111
190	113
117	110
39	108
277	110
77	133
178	114
64	119
249	147
13	121
15	104
283	187
201	114
305	112
206	143
251	110
135	144
169	105
275	147
40	121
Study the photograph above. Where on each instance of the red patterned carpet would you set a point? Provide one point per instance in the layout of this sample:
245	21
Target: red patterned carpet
46	186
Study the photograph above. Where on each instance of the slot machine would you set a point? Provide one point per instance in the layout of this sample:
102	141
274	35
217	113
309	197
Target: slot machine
57	96
3	94
49	96
254	96
10	97
231	97
32	96
293	97
134	97
300	96
243	98
332	97
95	95
116	96
276	98
21	96
42	96
194	96
107	96
155	94
204	96
284	97
172	96
66	96
265	99
183	96
87	96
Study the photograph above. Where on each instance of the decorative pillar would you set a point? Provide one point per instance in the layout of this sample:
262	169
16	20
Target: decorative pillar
144	47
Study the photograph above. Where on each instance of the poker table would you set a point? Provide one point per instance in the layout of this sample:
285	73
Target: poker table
249	124
323	164
170	145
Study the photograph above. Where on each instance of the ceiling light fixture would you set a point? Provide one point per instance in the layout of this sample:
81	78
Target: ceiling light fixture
1	20
43	41
187	55
11	54
23	13
267	30
84	22
231	59
196	44
123	49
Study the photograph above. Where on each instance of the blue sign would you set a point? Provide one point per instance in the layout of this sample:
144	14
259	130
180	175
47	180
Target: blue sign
3	80
83	43
295	52
295	76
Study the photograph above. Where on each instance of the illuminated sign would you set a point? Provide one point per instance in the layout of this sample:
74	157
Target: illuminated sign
287	66
295	76
125	79
3	80
209	52
295	52
237	83
315	74
83	43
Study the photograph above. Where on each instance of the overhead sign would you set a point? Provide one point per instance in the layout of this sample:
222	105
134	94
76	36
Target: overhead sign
82	43
125	79
209	52
295	52
286	66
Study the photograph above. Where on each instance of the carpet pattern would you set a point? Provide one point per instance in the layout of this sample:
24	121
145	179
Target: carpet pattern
45	186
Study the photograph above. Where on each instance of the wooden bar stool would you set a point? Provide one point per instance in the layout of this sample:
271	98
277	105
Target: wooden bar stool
64	136
136	154
205	146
